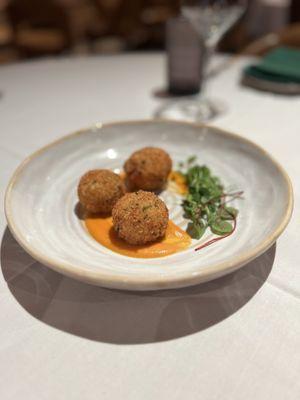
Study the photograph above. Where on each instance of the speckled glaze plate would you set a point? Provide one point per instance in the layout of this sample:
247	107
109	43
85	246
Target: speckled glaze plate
41	198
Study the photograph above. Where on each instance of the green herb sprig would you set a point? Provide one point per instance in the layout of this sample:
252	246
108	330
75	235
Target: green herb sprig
205	204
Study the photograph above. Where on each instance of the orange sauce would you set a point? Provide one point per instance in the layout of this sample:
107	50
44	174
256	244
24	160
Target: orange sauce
175	240
178	180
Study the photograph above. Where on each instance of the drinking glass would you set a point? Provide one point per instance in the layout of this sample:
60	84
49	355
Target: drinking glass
211	19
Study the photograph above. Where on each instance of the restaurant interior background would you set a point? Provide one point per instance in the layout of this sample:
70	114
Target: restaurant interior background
34	28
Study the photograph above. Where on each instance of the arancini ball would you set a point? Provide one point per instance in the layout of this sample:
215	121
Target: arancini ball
148	169
140	218
99	190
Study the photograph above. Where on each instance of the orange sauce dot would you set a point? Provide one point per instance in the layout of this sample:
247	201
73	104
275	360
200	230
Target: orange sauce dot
175	240
177	180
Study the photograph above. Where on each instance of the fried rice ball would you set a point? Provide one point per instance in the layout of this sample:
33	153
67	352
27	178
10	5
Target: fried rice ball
148	169
140	217
99	190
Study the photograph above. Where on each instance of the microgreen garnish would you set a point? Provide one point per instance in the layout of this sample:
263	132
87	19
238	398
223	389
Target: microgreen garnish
205	205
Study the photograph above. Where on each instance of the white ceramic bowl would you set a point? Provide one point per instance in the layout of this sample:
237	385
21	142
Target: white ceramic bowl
41	197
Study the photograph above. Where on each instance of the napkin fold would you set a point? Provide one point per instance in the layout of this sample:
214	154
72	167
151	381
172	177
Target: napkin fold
279	65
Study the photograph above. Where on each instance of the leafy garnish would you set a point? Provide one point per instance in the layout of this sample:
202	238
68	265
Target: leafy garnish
196	230
228	213
191	160
221	227
205	204
187	163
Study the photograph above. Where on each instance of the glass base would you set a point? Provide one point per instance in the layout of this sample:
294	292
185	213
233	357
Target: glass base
195	110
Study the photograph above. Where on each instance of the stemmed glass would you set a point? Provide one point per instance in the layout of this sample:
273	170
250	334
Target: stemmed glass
211	19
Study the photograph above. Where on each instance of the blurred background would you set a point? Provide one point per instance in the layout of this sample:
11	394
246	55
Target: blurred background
39	28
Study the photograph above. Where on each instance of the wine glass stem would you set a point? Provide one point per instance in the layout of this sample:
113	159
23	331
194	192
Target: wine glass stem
208	53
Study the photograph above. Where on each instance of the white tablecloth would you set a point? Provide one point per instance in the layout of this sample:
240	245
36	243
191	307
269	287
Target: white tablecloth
235	338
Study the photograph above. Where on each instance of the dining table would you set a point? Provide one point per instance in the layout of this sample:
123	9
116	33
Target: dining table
234	338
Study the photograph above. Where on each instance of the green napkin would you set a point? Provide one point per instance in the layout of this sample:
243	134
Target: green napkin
279	65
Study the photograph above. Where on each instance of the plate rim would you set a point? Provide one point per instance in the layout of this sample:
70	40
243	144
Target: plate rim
143	283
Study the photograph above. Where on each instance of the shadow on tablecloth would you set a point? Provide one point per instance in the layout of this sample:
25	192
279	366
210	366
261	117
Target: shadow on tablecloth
121	317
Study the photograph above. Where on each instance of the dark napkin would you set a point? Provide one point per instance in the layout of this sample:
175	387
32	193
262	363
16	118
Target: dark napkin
279	65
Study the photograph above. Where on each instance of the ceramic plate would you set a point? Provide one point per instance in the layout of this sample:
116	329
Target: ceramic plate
41	198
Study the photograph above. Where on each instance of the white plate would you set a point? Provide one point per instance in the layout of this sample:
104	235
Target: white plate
41	197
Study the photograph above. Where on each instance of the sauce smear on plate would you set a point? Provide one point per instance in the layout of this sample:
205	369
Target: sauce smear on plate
175	240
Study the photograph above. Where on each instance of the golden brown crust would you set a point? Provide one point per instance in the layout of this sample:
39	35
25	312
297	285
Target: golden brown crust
140	217
148	169
99	190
